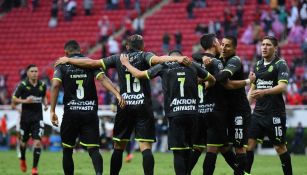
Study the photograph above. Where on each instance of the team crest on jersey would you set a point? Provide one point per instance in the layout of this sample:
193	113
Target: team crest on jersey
41	88
238	120
28	87
270	69
220	66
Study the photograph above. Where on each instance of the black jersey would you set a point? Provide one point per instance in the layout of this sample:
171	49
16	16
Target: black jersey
179	84
79	87
215	96
136	92
237	97
268	77
31	111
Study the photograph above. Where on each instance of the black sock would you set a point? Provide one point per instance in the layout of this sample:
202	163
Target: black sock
148	162
36	155
96	160
68	163
179	162
209	163
128	148
241	161
116	161
249	161
230	158
194	156
22	152
286	163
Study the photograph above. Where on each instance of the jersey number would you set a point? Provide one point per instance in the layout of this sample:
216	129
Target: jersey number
201	93
238	133
135	85
80	89
181	80
278	131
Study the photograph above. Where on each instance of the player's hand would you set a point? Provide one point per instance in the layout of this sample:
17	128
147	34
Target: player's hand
252	77
54	119
124	59
28	100
45	107
62	60
183	60
256	94
121	101
207	61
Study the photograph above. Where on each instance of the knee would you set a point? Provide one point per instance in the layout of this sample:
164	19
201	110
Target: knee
37	144
212	149
92	150
145	146
120	145
240	150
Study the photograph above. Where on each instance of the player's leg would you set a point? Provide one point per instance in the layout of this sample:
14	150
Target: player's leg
194	156
37	133
69	132
117	156
123	127
251	145
229	156
278	137
89	138
24	137
145	135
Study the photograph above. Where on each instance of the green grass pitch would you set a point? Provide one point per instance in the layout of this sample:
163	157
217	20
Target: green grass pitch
50	164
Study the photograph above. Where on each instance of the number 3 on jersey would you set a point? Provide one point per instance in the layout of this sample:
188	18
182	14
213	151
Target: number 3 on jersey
136	87
181	80
80	89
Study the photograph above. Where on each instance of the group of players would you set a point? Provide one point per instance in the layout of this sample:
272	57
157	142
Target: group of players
204	100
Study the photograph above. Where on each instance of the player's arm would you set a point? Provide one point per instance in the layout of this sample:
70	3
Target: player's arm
162	59
249	97
232	66
16	99
55	88
236	84
204	76
134	71
106	82
82	63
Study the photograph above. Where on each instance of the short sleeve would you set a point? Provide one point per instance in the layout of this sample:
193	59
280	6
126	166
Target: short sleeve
98	72
233	65
283	72
201	72
19	90
148	56
57	75
155	71
198	57
109	62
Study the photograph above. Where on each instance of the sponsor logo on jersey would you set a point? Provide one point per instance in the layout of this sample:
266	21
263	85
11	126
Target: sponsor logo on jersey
134	99
183	105
263	84
276	120
87	105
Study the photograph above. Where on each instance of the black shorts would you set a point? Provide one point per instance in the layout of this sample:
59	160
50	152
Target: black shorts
237	130
273	126
182	132
35	128
82	125
140	120
201	135
217	129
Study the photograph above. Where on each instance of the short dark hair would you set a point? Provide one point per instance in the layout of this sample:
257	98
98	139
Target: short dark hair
30	66
233	40
207	40
175	51
72	46
135	42
273	40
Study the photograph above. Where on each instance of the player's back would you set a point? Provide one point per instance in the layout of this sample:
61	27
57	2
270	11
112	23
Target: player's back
79	88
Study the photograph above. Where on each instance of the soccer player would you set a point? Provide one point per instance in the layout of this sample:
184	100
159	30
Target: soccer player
179	84
269	115
80	117
137	115
239	108
30	93
216	106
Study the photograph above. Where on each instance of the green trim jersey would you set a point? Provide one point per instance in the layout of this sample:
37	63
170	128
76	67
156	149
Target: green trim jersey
79	87
136	92
267	77
237	97
32	110
179	84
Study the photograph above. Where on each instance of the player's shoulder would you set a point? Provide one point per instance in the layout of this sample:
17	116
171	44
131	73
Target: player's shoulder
280	61
23	83
235	58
